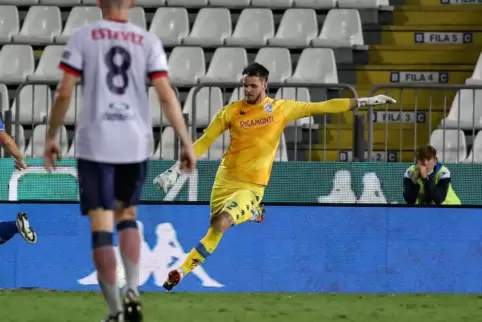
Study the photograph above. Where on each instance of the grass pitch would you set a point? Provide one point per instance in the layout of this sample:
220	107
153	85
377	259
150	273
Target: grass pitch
50	306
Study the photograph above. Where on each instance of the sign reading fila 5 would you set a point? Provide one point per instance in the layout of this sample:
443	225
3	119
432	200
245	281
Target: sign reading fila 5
419	77
443	37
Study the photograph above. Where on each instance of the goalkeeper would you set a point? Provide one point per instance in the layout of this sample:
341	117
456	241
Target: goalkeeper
255	124
428	181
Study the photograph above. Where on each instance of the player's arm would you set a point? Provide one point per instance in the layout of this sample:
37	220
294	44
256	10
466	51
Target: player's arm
218	125
411	188
438	191
11	147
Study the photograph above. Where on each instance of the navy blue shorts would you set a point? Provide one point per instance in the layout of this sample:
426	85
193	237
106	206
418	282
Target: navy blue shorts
102	184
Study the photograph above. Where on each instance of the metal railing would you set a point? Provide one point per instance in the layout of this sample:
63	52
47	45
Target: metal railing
449	114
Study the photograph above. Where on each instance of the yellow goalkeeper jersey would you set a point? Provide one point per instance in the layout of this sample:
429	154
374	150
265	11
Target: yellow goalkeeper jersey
255	132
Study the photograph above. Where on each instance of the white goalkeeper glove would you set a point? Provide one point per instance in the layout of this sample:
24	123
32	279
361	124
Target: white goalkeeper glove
375	100
168	178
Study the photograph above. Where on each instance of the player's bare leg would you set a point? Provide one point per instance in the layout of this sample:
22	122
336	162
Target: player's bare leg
130	249
219	225
102	226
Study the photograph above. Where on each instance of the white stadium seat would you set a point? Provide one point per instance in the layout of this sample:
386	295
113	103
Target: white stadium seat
211	27
363	4
9	23
300	94
150	3
165	149
282	151
78	17
230	3
155	109
47	68
475	155
75	106
209	100
36	144
277	61
62	3
465	112
217	149
236	95
138	17
35	103
254	28
40	26
171	25
187	3
274	4
71	151
19	2
186	65
450	145
19	138
226	65
315	4
297	28
316	65
16	63
4	98
476	78
342	28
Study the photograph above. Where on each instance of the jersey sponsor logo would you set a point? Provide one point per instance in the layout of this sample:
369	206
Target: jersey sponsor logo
268	108
66	55
419	77
104	33
443	37
256	123
118	112
157	261
242	112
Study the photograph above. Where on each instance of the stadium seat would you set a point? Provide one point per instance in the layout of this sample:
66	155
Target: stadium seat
187	3
61	3
217	149
171	25
165	149
315	4
9	23
475	155
150	3
301	94
277	61
226	66
75	105
16	63
465	112
40	26
34	104
19	138
367	4
297	28
71	151
47	68
138	17
155	109
4	98
78	17
186	65
315	65
209	100
36	144
236	95
273	4
19	2
450	145
230	3
476	78
211	27
342	28
282	152
254	28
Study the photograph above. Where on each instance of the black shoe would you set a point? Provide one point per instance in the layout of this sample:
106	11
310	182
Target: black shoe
119	317
132	307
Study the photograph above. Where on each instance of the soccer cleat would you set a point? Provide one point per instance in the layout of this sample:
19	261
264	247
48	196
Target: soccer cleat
173	279
119	317
132	307
24	228
259	214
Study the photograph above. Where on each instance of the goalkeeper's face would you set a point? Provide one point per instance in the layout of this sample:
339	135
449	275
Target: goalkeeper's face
254	89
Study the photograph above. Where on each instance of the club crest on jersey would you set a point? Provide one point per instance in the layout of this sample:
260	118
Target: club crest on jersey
268	108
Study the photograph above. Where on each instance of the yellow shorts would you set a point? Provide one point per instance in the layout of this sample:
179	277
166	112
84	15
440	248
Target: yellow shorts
236	198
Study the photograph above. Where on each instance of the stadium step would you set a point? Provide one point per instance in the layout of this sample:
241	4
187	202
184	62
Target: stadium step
423	54
439	15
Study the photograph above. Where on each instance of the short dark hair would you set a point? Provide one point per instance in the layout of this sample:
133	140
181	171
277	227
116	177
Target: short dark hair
256	70
426	152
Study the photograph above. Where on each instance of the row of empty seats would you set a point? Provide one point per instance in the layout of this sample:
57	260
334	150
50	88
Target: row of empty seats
318	4
452	146
187	65
35	104
164	150
212	26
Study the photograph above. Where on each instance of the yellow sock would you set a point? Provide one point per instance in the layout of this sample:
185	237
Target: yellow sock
198	254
